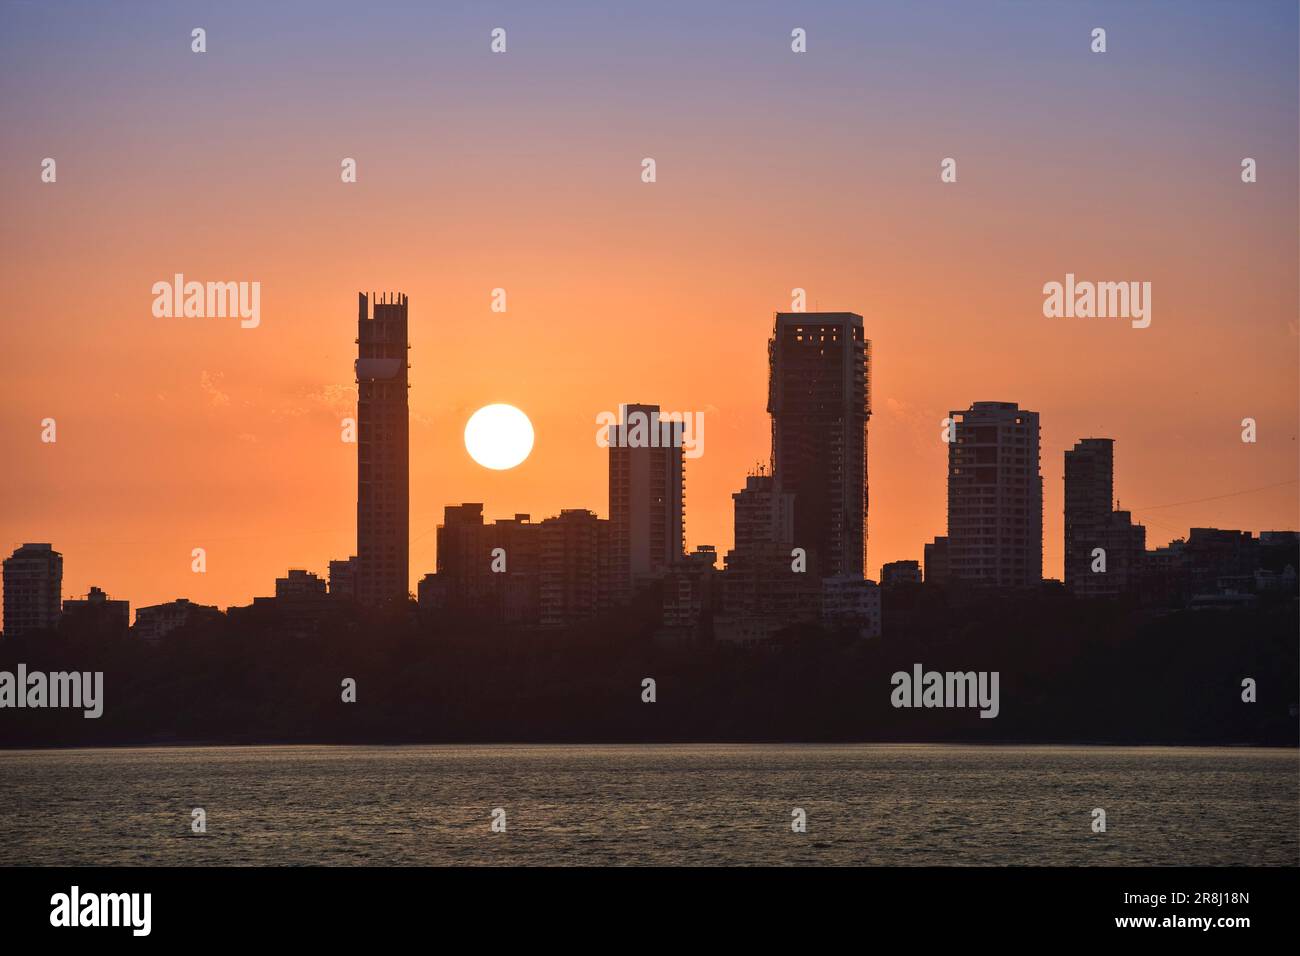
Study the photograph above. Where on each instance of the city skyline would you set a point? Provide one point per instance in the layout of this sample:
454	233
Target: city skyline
180	433
819	391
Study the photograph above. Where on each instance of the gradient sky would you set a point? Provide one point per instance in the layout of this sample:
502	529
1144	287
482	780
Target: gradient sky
522	171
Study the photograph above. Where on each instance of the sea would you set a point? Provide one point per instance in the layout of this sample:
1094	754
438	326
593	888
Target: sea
679	805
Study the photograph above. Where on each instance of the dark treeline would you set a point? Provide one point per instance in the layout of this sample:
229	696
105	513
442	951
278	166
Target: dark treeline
1070	672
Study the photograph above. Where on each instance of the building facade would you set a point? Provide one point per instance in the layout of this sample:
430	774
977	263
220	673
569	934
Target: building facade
852	604
900	572
1103	548
647	474
343	579
97	612
995	496
819	397
486	570
155	622
937	565
575	580
33	584
760	577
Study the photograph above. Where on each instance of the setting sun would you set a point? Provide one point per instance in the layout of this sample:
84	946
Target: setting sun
498	436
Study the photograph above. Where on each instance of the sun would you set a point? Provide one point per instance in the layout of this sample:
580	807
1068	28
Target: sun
498	436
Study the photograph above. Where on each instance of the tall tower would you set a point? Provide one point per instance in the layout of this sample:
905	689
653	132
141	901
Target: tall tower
819	396
995	496
647	466
383	460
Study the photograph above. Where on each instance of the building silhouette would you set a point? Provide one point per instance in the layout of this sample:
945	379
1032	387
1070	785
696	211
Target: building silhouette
995	496
575	581
155	622
647	468
851	603
761	591
937	565
301	594
33	582
1091	524
464	558
819	397
1221	568
485	570
900	572
1220	561
97	613
516	591
1279	562
383	468
343	579
691	594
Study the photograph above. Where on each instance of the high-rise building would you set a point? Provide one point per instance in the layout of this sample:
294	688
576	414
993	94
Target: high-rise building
647	466
383	473
1091	524
995	496
819	396
33	580
575	568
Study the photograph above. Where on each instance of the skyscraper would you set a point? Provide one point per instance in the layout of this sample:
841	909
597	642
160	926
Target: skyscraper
33	579
819	396
1091	524
383	473
995	496
647	466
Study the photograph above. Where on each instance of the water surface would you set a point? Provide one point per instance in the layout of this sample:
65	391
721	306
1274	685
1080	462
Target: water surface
651	804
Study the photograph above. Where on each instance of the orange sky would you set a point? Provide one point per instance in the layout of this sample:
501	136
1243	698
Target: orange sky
182	433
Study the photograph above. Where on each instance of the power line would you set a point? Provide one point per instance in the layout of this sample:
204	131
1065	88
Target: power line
1231	494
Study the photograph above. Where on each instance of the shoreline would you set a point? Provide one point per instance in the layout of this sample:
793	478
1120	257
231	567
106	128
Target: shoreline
1000	744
